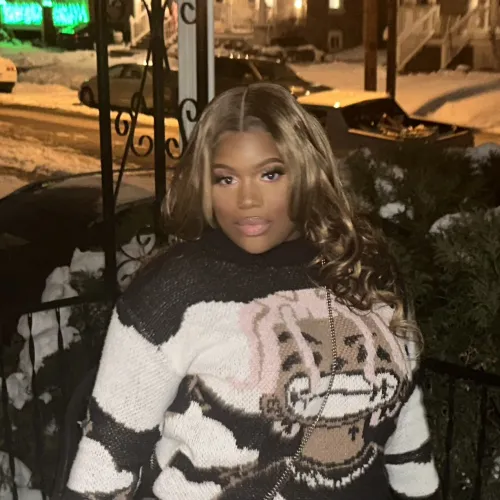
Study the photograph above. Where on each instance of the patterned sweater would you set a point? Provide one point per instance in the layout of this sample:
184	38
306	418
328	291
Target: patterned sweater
215	363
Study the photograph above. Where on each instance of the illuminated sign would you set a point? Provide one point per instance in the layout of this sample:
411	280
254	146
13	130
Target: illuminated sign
29	14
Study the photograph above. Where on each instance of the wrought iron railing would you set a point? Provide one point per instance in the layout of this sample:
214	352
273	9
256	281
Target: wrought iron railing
442	383
439	377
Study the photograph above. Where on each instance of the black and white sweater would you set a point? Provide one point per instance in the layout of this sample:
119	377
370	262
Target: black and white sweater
215	363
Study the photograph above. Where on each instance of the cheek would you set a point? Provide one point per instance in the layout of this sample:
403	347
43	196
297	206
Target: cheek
223	202
279	203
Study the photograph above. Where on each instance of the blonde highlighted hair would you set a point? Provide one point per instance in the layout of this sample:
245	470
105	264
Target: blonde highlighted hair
357	267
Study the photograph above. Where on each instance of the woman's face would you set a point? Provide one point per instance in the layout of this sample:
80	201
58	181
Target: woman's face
251	191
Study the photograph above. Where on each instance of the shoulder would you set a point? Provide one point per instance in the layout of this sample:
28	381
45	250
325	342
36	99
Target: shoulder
409	348
156	300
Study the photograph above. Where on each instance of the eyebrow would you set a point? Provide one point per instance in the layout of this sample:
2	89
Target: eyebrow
256	167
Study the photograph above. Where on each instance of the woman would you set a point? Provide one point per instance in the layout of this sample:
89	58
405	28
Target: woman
266	356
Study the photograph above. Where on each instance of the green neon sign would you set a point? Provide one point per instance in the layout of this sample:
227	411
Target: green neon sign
29	14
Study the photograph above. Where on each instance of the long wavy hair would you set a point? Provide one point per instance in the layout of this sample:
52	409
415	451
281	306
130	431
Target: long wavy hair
352	255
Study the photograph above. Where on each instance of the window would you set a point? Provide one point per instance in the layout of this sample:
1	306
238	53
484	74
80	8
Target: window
336	4
115	71
335	40
132	72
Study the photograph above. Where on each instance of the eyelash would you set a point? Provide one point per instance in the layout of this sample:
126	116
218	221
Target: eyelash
274	171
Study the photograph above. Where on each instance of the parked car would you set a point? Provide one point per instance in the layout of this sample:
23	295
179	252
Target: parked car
125	80
296	49
125	85
374	120
43	223
8	75
231	71
80	37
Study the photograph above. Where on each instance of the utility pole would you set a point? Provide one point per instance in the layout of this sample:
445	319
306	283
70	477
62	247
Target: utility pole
392	46
370	35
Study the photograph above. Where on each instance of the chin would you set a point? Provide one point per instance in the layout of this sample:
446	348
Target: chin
254	246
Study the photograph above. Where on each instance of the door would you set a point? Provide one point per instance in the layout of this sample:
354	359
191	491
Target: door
130	86
115	73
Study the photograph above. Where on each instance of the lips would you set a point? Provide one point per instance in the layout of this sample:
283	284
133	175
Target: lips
253	226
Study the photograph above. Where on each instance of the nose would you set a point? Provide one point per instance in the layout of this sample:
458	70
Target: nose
249	195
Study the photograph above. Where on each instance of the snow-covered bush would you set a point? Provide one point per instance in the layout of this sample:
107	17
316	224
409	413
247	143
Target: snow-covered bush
439	212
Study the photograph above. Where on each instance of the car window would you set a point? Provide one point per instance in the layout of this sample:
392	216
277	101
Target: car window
132	72
234	69
115	71
272	71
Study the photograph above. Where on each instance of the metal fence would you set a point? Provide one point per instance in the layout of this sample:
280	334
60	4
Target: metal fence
46	457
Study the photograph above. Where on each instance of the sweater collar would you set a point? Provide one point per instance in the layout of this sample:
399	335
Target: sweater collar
295	252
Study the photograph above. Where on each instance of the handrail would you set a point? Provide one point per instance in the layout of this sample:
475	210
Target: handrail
453	40
420	23
413	39
139	27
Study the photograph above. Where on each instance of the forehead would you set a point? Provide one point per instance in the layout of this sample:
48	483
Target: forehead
237	148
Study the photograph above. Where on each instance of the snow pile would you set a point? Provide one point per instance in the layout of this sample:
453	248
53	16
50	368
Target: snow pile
482	153
53	66
32	156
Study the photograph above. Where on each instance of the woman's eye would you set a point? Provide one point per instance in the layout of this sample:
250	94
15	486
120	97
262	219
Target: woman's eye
225	181
273	175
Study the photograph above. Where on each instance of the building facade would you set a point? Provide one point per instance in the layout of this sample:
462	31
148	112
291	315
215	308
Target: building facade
334	25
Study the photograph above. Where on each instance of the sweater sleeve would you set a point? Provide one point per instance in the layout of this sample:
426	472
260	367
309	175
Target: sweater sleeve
408	453
136	382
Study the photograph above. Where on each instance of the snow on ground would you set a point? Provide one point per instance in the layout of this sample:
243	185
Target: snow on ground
449	96
32	156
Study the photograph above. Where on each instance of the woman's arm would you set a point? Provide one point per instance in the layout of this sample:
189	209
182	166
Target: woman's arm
408	453
136	383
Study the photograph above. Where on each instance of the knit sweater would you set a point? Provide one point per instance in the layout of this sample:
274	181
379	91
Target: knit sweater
215	363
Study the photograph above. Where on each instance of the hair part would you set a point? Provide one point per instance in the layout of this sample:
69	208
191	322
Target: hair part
358	268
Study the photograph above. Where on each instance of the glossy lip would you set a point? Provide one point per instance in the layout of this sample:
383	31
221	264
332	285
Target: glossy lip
253	226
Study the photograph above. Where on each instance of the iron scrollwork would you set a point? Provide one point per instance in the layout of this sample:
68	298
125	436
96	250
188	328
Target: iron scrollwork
187	111
182	12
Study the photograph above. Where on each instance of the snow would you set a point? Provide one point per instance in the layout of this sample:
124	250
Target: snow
32	156
450	96
482	153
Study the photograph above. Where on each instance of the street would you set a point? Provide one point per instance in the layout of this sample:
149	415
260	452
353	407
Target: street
62	129
81	133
